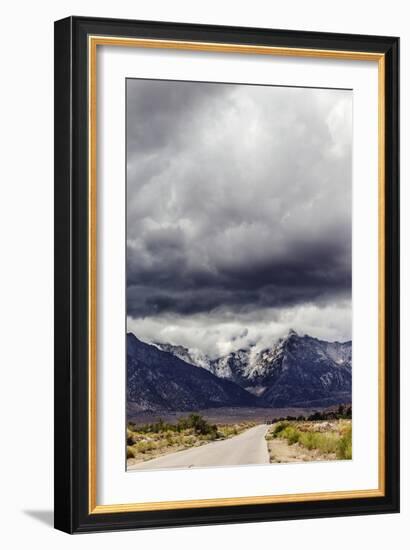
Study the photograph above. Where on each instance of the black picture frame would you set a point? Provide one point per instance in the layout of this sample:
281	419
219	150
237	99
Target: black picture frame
71	492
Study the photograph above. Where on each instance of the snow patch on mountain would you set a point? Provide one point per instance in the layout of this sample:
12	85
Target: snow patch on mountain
293	369
192	356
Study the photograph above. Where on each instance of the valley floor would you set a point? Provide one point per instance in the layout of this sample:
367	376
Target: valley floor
247	448
223	415
308	441
280	442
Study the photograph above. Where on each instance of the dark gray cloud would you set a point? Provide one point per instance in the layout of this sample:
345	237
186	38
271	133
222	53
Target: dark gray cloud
239	201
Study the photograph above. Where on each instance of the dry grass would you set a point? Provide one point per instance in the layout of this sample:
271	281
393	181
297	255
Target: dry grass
158	439
330	439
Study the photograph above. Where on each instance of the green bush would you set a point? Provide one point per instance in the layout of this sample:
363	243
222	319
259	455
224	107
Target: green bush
194	422
326	443
280	426
145	446
227	431
197	423
189	440
344	447
130	452
291	434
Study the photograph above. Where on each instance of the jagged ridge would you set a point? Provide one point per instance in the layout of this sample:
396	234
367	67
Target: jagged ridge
294	371
160	381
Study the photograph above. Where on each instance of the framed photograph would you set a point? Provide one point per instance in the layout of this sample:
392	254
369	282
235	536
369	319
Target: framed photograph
226	274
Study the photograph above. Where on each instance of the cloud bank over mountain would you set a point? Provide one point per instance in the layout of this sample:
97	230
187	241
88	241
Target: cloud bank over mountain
238	213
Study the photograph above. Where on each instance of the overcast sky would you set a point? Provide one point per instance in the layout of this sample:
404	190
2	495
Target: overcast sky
238	213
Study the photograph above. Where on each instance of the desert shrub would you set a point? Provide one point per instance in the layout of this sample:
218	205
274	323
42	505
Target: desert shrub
189	440
280	426
197	423
324	442
316	416
335	413
210	437
169	436
130	452
344	446
291	434
194	423
156	427
228	431
285	430
144	446
130	436
178	439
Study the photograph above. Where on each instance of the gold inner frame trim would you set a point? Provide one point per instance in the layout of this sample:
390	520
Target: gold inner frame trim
93	42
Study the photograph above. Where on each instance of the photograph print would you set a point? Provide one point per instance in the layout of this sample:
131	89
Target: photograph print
239	274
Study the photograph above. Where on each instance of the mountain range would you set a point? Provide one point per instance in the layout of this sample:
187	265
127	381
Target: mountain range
295	371
160	381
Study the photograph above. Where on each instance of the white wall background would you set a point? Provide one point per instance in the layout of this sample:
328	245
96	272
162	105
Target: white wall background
26	291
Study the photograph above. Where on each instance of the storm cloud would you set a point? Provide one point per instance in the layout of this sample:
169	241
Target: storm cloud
238	212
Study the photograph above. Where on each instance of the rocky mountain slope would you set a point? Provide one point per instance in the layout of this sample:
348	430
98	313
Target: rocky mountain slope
294	371
160	381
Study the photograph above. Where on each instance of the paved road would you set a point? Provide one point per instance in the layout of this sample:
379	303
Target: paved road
249	447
